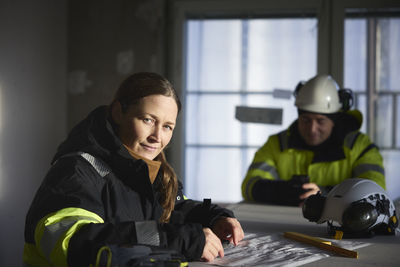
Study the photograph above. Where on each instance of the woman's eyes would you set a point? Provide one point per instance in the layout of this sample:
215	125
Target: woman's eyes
153	121
169	127
148	120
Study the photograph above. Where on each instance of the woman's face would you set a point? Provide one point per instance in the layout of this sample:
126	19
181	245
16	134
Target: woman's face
146	128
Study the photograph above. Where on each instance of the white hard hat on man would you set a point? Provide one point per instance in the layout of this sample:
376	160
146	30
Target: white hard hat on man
321	94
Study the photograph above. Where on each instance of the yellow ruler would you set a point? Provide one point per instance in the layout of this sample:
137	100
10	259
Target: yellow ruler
320	243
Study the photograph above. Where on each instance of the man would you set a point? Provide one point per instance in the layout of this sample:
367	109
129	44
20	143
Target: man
319	150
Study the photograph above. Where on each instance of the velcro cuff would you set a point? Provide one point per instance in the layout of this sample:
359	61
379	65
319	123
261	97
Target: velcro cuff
147	233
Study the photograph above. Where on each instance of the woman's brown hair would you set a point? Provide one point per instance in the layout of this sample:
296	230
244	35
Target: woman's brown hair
131	90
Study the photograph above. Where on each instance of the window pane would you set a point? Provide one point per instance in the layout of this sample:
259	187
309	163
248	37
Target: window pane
388	54
213	55
384	120
361	105
391	159
378	37
249	157
281	53
227	62
213	173
355	54
210	120
398	123
256	133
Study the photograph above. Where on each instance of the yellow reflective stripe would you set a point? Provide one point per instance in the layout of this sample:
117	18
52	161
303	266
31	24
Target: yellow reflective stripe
54	231
185	197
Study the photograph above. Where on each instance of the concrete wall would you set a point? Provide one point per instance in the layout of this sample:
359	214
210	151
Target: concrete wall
33	60
59	60
109	40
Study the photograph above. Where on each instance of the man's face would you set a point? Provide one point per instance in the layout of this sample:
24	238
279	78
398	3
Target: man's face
314	128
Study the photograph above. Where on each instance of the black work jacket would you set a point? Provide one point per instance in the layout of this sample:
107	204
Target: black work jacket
119	191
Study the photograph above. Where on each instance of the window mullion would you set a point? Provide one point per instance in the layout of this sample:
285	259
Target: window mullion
394	121
243	86
371	78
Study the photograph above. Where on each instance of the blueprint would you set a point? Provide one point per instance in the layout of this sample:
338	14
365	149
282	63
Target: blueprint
276	250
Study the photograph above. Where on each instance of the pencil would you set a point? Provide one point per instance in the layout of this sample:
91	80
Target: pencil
321	244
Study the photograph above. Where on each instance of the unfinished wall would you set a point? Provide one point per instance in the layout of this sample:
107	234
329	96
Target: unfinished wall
33	80
46	45
108	40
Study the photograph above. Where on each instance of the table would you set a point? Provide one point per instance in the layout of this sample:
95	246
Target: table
270	219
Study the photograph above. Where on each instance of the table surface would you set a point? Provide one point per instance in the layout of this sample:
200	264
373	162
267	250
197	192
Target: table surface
269	219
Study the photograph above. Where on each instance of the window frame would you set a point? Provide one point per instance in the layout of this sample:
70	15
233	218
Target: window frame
338	17
330	55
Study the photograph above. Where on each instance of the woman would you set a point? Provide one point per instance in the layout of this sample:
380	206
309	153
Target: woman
111	187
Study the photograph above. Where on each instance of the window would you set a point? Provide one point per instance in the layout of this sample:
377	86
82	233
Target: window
371	69
226	54
238	62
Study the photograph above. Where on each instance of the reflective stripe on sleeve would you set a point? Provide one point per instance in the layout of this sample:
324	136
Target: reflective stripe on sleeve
265	167
367	167
147	233
54	231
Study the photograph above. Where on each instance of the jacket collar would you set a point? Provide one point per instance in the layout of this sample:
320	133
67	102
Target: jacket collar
333	148
330	150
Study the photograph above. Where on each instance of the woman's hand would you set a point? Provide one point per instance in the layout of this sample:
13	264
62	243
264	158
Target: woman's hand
213	246
227	228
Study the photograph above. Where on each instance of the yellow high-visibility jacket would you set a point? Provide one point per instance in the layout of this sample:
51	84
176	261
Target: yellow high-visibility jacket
283	157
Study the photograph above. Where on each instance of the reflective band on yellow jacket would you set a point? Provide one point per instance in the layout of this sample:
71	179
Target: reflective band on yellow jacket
276	161
52	235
